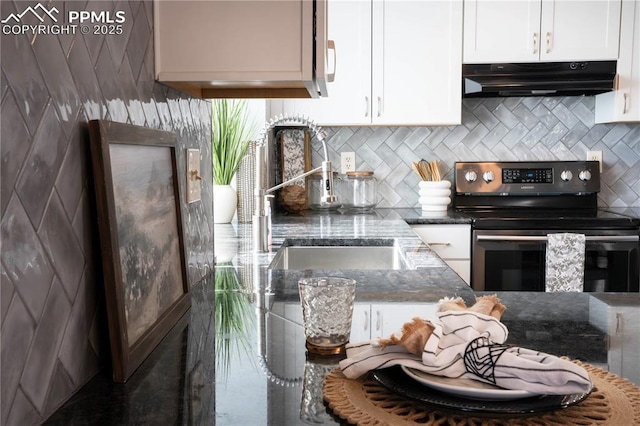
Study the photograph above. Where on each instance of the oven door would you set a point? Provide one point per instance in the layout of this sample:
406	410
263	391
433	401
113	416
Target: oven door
504	260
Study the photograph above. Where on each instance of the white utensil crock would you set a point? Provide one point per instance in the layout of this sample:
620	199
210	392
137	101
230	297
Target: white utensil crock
435	195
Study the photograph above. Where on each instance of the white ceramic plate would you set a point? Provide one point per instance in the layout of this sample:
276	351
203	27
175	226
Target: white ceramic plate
466	388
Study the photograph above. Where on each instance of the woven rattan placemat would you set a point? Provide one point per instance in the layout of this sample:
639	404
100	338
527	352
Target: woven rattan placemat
614	401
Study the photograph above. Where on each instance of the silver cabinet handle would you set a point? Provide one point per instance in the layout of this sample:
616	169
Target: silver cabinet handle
366	320
366	106
378	321
624	107
379	106
618	322
331	45
548	42
535	43
616	238
439	244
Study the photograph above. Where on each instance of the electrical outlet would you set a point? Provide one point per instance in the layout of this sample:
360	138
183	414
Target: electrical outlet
347	162
595	156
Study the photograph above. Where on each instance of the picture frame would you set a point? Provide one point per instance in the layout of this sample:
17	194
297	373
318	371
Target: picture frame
140	214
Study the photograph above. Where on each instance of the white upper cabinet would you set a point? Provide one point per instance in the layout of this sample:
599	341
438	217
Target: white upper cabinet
417	62
249	48
623	104
349	26
397	63
501	31
540	30
579	30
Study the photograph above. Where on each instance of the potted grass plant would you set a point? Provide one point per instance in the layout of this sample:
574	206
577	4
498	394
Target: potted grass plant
231	132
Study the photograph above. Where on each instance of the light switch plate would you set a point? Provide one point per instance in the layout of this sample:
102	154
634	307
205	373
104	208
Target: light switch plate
194	180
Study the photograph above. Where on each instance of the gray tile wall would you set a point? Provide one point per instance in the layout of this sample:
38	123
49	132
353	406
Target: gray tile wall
529	129
53	320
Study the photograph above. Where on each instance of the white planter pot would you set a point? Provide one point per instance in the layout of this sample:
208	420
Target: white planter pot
225	202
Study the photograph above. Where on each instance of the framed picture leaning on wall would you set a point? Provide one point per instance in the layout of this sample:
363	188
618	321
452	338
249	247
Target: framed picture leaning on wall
141	238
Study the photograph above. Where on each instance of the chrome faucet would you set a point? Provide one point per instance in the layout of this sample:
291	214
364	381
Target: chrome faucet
261	215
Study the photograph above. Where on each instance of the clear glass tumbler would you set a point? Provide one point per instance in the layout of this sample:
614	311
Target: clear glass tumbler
327	310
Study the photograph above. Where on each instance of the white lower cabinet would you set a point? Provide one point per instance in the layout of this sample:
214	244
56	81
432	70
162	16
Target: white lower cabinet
622	325
371	321
361	323
452	242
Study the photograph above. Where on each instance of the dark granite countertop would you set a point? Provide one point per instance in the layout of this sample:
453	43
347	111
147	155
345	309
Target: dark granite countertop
206	371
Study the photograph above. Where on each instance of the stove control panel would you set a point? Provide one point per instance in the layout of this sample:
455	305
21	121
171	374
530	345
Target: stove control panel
541	175
527	178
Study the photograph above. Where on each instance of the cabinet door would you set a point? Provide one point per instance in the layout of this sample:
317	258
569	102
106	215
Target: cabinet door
349	99
449	241
579	30
417	59
630	344
361	323
222	48
411	56
501	31
452	243
388	318
530	31
623	104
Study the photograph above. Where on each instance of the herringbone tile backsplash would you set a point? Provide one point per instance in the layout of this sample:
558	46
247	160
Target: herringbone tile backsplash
54	335
507	129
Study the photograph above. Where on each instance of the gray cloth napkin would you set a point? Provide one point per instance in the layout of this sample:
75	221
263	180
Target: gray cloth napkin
470	345
565	262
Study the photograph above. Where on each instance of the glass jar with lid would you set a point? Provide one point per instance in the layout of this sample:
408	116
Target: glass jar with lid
360	191
315	186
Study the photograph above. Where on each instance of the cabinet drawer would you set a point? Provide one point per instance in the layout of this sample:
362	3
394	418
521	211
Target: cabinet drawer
448	241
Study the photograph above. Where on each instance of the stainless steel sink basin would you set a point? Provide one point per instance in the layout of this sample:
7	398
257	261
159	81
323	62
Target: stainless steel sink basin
339	257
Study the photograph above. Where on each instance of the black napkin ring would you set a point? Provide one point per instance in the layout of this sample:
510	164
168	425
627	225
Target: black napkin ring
481	356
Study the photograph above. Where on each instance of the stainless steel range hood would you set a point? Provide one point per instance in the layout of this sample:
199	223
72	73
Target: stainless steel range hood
538	79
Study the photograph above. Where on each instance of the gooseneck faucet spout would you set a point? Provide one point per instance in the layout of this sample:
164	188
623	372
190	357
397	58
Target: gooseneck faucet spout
261	192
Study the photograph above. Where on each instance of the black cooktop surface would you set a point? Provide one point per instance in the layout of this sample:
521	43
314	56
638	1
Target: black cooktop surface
531	218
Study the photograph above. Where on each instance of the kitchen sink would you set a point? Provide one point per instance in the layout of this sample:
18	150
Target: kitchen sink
292	256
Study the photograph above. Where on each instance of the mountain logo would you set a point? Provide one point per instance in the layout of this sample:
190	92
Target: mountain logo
39	11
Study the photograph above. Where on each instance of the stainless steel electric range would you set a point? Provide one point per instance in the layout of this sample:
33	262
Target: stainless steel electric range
516	205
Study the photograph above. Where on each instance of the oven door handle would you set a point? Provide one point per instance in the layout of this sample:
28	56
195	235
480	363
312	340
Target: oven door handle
588	238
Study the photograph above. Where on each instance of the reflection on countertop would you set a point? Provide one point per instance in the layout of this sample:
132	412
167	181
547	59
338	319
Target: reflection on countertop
208	373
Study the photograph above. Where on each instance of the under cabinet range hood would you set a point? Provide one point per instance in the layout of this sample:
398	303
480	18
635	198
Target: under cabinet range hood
538	79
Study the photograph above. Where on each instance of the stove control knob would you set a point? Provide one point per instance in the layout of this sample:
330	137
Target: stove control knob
585	175
470	176
566	175
488	176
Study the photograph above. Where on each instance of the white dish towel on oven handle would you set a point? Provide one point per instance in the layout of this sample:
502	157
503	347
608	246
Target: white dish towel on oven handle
565	262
